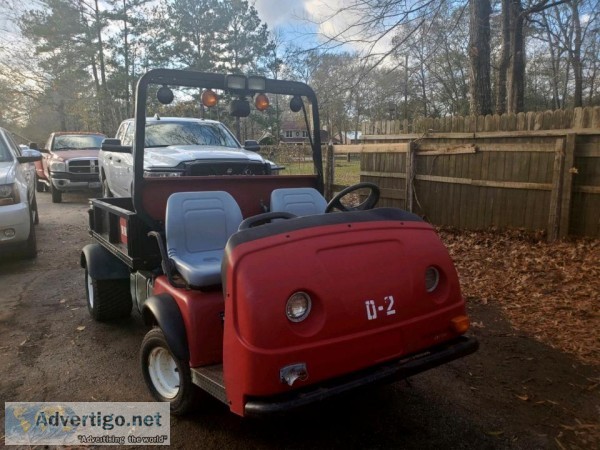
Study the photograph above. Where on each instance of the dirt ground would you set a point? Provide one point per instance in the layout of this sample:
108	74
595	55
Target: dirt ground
521	390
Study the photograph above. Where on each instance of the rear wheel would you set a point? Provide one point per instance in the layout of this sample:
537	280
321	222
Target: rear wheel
107	299
56	194
168	378
39	186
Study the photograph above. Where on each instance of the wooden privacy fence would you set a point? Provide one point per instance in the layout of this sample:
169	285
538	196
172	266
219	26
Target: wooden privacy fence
561	119
534	180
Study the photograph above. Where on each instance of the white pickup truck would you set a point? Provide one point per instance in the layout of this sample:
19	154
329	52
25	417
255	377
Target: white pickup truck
178	146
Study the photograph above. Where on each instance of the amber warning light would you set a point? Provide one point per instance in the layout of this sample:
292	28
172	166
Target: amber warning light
261	102
460	324
209	98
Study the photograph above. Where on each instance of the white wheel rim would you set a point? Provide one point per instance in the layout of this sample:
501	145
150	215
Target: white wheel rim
90	289
163	372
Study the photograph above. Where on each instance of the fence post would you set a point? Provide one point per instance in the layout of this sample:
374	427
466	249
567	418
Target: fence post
556	194
567	185
329	171
410	174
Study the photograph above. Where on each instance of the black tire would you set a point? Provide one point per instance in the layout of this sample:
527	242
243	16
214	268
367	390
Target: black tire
39	186
188	394
106	193
56	194
107	299
30	247
34	208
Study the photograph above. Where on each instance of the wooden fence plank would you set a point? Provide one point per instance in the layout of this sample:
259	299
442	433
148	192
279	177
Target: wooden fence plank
587	189
410	176
487	183
555	196
371	173
329	172
567	187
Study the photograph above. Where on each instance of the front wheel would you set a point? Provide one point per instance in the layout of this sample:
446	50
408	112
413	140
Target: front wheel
168	378
106	193
107	299
34	209
30	248
56	194
39	186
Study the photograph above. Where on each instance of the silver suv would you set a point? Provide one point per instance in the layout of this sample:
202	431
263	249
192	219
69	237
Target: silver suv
18	205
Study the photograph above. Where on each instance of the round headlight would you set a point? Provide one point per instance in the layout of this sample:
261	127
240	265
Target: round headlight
432	278
298	307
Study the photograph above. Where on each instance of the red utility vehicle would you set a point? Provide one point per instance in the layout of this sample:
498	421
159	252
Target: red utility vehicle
256	291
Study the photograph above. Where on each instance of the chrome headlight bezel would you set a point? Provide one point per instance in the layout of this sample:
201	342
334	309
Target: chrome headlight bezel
432	279
298	306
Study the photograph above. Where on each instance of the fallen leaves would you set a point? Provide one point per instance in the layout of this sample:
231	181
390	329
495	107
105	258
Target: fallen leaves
81	328
550	291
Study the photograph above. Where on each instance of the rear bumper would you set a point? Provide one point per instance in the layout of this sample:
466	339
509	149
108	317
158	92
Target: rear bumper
391	371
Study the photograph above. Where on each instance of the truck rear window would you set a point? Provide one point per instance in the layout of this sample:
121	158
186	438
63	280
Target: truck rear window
188	133
77	142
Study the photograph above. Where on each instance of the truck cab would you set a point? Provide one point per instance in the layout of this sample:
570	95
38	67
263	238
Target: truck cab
179	146
256	289
70	163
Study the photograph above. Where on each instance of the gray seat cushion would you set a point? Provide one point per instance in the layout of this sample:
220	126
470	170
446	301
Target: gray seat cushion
198	225
298	201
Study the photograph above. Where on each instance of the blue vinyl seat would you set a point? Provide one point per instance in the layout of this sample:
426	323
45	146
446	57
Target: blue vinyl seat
197	227
298	201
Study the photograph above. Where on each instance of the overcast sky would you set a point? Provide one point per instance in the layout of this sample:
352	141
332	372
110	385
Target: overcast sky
304	21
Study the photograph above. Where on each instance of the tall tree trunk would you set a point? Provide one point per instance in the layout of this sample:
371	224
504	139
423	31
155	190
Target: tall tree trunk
480	101
515	85
126	55
554	63
576	56
504	59
103	91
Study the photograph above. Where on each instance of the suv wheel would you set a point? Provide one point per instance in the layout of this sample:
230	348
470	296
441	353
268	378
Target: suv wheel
30	248
34	210
107	299
56	194
168	378
106	193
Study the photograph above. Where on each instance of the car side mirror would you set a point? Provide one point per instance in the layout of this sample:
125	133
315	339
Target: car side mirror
114	145
253	146
29	156
33	146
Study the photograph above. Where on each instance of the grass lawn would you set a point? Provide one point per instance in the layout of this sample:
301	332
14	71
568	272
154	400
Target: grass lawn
345	173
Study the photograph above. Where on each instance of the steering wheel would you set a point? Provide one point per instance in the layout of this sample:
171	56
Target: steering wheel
261	219
369	203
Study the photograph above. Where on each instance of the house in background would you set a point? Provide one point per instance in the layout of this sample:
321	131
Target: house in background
293	132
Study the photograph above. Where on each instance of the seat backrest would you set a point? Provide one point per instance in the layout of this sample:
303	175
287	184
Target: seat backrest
199	222
298	201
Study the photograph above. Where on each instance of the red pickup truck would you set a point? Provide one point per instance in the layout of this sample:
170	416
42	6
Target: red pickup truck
70	163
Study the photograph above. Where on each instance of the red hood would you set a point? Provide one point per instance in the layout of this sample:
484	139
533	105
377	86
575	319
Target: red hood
65	155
